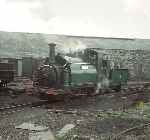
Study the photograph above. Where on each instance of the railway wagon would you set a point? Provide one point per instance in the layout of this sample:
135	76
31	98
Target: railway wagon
6	73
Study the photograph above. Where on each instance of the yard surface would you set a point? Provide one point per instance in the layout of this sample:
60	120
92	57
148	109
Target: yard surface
100	118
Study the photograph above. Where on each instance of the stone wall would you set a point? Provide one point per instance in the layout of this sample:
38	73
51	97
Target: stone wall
137	61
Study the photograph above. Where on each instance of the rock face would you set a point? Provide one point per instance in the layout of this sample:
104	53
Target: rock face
22	44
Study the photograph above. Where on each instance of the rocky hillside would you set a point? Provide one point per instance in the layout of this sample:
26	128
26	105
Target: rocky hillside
22	44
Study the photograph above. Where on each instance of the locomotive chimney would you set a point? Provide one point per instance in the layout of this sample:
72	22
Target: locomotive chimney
52	53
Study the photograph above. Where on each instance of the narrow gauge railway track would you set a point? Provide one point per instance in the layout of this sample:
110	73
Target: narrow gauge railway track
129	130
129	91
6	110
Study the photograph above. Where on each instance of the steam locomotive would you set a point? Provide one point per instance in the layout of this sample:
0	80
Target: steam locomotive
75	75
67	73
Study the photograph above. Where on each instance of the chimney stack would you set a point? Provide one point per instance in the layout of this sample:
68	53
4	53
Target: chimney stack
52	53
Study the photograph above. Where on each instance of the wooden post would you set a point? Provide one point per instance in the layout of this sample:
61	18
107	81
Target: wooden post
19	67
102	79
140	65
99	70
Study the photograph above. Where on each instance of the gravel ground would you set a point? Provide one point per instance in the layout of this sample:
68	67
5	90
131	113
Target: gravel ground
86	124
84	116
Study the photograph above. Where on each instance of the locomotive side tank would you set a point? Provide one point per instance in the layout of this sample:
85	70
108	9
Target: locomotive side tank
82	74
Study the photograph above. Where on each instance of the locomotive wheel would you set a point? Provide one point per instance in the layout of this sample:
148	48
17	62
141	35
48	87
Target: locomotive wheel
117	88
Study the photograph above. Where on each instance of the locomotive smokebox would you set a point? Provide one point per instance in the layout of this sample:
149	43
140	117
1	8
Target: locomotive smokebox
52	53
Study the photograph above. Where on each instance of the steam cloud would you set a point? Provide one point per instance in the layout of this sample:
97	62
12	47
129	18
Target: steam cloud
120	18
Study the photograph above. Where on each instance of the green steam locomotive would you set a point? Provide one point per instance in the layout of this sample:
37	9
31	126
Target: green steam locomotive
79	75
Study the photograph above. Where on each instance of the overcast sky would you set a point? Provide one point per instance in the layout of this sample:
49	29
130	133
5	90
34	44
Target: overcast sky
112	18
